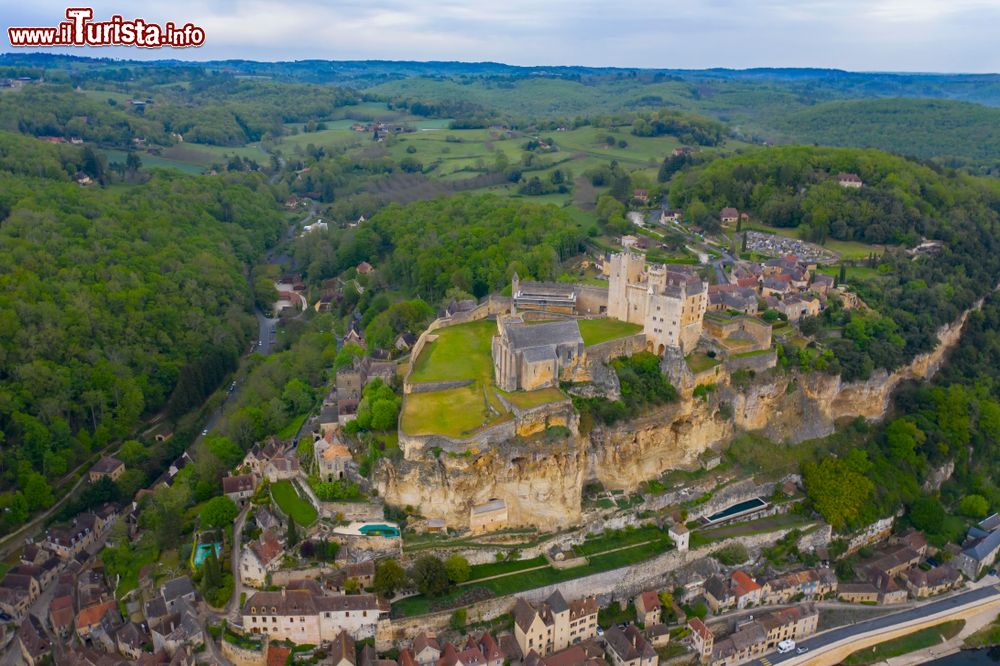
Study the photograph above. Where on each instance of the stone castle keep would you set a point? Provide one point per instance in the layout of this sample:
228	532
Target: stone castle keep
668	301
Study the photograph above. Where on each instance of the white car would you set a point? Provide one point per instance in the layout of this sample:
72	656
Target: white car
204	432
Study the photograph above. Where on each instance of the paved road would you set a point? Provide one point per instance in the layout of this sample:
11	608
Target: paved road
233	607
884	622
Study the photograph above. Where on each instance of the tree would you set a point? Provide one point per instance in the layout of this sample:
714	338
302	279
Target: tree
219	512
927	515
974	506
352	586
458	619
293	533
903	437
458	569
389	577
837	490
429	576
37	492
211	575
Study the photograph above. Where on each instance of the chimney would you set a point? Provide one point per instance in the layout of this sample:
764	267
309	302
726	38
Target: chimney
282	593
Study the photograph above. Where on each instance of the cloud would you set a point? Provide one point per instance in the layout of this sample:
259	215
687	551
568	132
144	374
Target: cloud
899	35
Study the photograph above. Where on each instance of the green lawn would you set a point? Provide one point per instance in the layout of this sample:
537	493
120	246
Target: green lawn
288	432
699	362
527	580
596	331
529	399
497	568
301	510
459	352
918	640
453	412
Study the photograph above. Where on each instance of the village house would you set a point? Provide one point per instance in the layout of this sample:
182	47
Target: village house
648	608
851	180
362	572
858	593
553	624
795	306
809	583
488	517
130	639
239	488
702	639
61	613
940	579
302	616
668	301
176	590
107	467
282	467
758	636
33	642
729	215
259	454
629	647
426	650
745	589
181	628
718	594
333	459
342	651
680	535
982	542
260	558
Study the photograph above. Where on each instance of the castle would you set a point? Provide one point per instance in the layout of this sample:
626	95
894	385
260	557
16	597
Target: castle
668	301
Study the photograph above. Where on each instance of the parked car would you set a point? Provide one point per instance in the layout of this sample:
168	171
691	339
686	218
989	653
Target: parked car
802	649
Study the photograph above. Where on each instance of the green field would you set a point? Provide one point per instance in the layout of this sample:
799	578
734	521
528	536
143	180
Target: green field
596	331
453	412
300	509
918	640
529	399
459	352
699	362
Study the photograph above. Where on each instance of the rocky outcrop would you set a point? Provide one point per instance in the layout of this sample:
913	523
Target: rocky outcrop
672	437
541	482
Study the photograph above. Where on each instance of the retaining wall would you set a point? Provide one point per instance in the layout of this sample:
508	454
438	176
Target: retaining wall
242	656
627	346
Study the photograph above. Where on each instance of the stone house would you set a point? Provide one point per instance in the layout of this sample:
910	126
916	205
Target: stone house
282	467
629	647
32	641
333	458
702	639
648	608
718	594
426	650
680	535
940	579
488	517
553	624
259	558
858	593
107	466
302	616
729	215
239	488
810	583
342	651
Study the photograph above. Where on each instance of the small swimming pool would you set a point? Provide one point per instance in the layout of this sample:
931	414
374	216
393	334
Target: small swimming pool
374	529
202	550
739	509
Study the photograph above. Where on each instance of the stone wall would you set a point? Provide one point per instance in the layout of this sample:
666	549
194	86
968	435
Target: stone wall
415	446
537	419
590	299
283	577
755	362
608	586
242	656
606	351
429	387
368	510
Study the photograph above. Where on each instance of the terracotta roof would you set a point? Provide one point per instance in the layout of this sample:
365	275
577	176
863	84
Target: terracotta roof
743	584
267	547
699	628
93	614
277	655
649	601
336	450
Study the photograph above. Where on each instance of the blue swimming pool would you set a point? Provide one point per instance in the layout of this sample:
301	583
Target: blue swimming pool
203	549
744	507
379	530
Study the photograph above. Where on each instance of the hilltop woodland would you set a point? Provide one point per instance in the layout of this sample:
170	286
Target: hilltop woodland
902	202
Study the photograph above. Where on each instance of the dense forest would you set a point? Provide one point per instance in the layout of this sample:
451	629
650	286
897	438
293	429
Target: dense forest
471	243
114	301
957	133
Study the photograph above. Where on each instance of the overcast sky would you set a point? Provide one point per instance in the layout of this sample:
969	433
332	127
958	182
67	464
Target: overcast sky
896	35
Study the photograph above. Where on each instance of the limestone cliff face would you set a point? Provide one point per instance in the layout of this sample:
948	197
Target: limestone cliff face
541	483
625	455
812	405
